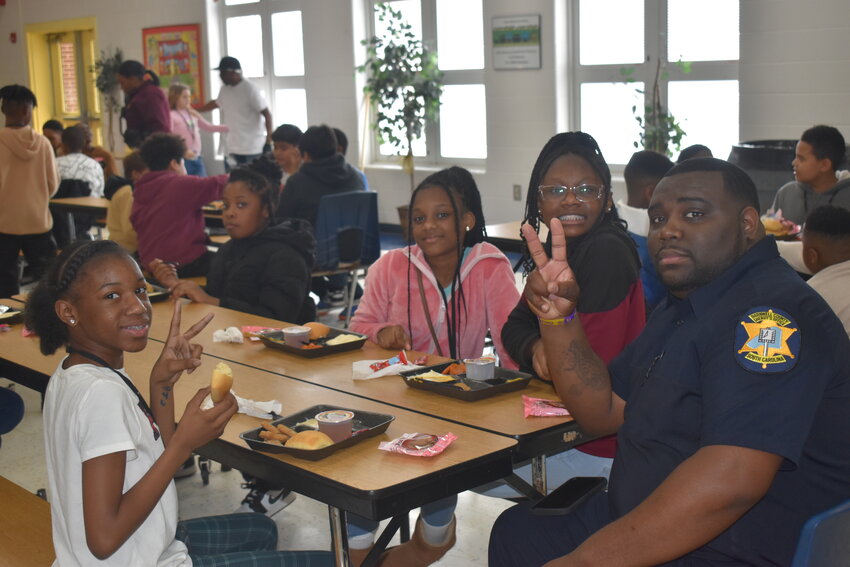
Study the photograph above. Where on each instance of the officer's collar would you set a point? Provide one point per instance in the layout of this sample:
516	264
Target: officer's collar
705	298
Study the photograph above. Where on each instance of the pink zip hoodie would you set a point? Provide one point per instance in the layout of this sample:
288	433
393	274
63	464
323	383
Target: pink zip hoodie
489	290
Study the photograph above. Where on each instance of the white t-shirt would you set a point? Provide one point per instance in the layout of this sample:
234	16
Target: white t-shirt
241	105
84	168
89	412
832	283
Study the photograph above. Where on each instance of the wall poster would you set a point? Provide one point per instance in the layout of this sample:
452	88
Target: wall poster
174	53
516	42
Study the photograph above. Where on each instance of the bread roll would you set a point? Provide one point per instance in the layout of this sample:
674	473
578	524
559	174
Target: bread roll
222	381
317	330
310	440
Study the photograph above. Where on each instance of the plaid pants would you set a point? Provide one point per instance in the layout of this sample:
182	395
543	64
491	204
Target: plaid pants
242	540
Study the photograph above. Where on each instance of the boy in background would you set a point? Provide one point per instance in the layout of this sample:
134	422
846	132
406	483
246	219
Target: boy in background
28	180
52	130
74	164
643	172
342	148
818	155
826	252
119	191
285	149
166	213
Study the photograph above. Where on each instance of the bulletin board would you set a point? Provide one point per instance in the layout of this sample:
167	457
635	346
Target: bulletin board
174	53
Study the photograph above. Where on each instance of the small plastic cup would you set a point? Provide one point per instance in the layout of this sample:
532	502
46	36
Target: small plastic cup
296	336
336	424
481	369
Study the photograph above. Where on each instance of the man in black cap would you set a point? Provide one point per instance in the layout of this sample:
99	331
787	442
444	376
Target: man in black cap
244	110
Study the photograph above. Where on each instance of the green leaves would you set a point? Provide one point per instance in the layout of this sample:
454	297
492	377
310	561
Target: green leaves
106	69
402	80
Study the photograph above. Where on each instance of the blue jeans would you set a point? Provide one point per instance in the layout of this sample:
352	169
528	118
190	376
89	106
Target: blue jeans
437	513
195	166
242	540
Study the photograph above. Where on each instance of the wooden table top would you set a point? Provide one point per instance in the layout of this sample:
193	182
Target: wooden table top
506	235
501	414
360	478
25	533
92	204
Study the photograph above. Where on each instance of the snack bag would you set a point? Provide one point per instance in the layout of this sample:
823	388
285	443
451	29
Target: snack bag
418	444
400	358
540	407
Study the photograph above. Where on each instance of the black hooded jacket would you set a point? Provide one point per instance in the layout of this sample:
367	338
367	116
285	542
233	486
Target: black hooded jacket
267	274
314	180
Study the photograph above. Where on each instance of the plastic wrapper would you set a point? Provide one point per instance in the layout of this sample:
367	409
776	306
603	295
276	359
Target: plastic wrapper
540	407
251	332
263	410
400	358
407	444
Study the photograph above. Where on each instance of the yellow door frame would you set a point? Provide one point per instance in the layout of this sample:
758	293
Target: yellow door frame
39	67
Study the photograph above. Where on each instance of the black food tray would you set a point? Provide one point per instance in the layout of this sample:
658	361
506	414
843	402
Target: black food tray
365	424
503	380
11	317
158	294
274	339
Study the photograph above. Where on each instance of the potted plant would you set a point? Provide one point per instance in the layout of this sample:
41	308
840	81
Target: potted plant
659	128
403	87
106	81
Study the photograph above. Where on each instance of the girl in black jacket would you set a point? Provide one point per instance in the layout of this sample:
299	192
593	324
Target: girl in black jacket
265	268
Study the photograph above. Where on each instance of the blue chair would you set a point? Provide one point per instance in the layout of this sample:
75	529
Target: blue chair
825	539
347	238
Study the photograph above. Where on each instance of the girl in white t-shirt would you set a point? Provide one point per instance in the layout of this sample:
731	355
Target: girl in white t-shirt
110	457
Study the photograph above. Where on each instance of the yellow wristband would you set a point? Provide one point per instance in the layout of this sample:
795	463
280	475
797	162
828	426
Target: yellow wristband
557	322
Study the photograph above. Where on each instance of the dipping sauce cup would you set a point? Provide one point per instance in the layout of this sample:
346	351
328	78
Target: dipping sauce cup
336	424
483	368
296	336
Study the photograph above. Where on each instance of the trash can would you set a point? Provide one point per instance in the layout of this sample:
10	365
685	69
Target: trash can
768	162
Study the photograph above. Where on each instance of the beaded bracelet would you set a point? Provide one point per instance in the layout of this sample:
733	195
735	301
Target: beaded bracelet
557	322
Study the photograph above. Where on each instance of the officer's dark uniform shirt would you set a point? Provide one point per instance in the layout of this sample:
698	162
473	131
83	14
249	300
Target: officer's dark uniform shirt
754	359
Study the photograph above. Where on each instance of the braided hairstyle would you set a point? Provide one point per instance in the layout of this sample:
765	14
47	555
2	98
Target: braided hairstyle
463	194
584	146
57	283
262	176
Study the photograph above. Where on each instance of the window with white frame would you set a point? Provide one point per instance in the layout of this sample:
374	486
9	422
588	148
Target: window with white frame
267	39
455	30
618	39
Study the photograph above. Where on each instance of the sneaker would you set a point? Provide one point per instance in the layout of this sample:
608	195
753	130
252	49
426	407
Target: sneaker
188	468
342	313
268	503
336	298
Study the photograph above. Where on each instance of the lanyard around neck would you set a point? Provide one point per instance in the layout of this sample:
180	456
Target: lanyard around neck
143	405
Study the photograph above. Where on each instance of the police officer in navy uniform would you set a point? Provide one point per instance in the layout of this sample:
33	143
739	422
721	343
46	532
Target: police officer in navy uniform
732	408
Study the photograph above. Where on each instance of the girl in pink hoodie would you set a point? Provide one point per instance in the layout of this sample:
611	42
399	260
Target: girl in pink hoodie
466	287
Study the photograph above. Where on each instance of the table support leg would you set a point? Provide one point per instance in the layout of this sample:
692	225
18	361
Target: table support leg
339	536
538	473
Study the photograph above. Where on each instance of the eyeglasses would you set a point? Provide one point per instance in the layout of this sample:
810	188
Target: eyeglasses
583	193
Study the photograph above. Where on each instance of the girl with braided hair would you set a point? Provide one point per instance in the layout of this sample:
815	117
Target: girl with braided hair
111	457
571	181
442	296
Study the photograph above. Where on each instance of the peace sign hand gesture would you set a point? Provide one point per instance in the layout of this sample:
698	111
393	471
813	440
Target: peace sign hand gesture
551	289
179	354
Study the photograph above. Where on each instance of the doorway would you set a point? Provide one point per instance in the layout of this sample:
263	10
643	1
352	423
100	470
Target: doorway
60	56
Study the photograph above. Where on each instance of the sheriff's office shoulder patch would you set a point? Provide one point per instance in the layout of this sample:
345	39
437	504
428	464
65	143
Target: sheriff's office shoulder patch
767	341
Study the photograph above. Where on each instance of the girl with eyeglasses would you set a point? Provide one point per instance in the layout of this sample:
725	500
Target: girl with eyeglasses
571	181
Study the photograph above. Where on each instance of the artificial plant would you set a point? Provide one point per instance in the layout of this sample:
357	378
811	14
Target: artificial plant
106	81
403	84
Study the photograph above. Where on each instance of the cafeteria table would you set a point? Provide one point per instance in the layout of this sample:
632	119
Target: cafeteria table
501	414
360	479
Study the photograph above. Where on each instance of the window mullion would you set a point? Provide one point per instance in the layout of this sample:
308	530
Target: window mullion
429	39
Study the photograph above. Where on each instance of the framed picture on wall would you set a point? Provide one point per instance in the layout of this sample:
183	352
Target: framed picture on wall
174	53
